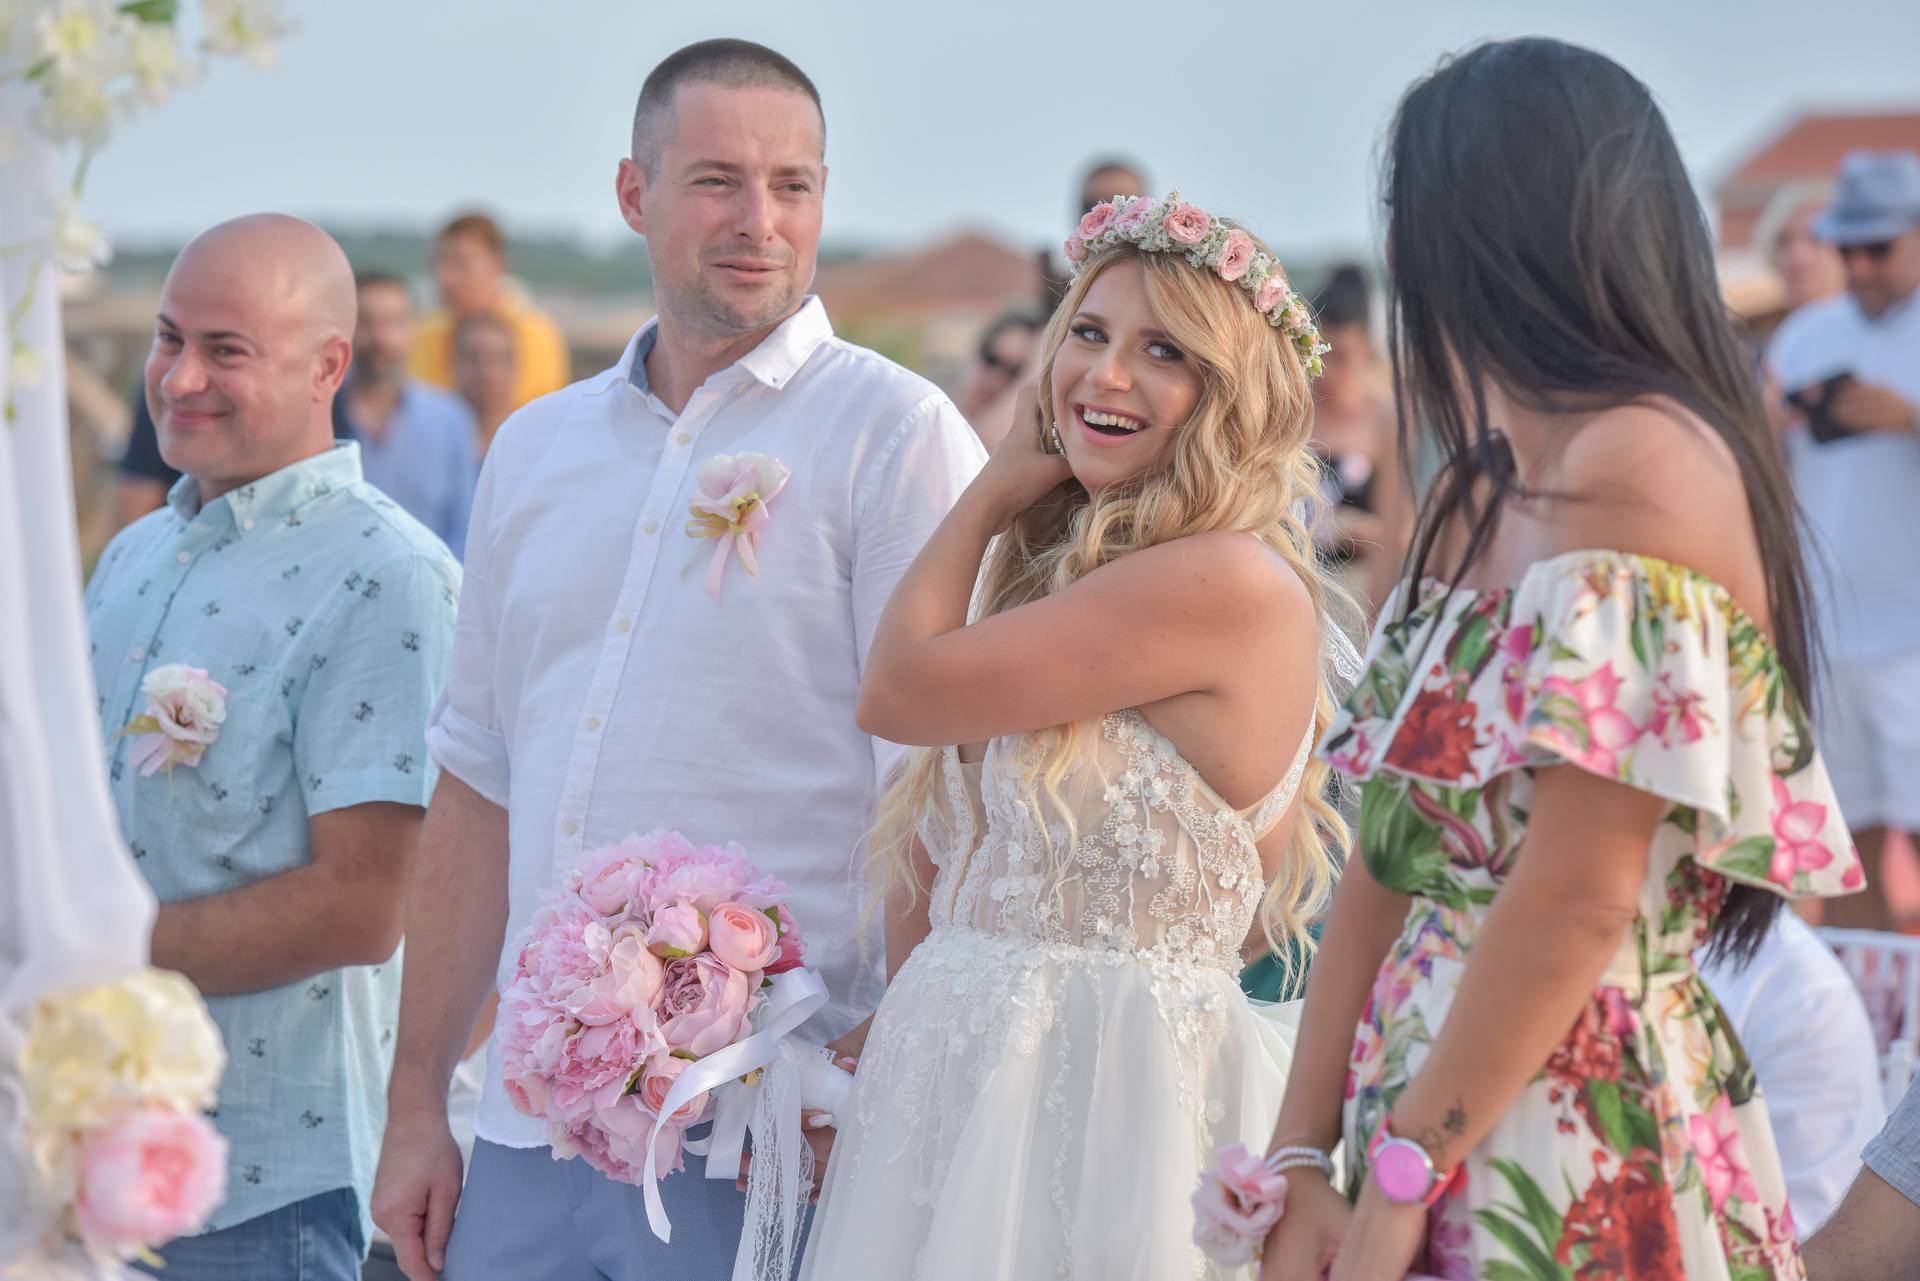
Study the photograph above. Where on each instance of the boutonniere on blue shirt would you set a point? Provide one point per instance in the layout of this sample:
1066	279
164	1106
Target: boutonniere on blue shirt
185	710
729	503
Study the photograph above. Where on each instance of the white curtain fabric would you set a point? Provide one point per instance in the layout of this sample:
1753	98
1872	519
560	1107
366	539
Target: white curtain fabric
74	911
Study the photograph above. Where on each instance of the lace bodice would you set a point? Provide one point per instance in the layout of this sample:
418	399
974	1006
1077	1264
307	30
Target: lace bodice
1138	853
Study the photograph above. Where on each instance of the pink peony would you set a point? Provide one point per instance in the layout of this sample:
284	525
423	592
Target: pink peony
1187	225
598	1063
614	1141
1132	219
1796	836
1075	249
613	879
744	938
791	949
1723	1162
148	1177
1096	221
632	978
679	930
1271	292
1237	1202
1236	256
707	876
704	1005
661	1072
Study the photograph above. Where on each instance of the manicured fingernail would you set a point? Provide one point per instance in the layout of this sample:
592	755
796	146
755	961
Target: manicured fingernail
821	1122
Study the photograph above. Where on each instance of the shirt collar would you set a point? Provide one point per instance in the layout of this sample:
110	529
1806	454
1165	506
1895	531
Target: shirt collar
773	363
275	496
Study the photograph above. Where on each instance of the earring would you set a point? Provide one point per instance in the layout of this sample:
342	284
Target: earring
1053	435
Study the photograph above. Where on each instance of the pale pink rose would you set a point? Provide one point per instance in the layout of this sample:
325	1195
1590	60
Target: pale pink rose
1271	292
1796	836
1132	219
1075	249
792	949
186	708
148	1177
632	979
1187	225
1239	1199
677	930
613	878
1723	1161
661	1072
704	1005
1606	730
1296	319
1236	256
1096	221
742	937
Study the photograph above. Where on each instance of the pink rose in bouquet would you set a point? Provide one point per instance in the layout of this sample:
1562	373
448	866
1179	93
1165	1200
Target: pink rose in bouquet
649	958
152	1175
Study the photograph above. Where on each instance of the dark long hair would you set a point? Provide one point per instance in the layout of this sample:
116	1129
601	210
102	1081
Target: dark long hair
1543	236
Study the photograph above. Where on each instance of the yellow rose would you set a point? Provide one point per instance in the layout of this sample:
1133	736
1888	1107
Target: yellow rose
145	1039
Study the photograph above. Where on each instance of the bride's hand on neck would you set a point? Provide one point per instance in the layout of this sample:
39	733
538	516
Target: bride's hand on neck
1023	469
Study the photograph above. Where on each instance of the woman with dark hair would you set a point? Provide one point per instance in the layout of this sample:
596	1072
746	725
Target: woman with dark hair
1365	530
1581	736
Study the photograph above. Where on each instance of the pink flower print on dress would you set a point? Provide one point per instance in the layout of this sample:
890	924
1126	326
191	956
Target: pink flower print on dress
1606	729
1676	718
1796	836
1723	1161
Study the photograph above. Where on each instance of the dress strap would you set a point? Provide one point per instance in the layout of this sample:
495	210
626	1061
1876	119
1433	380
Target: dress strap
1268	812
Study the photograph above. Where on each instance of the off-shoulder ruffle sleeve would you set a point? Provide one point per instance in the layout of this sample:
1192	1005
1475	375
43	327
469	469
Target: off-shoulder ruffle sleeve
1626	666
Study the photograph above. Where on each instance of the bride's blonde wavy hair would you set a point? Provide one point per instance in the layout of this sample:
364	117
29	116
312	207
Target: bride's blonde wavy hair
1241	462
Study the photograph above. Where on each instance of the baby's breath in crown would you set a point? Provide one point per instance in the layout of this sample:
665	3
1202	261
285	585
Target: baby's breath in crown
1174	226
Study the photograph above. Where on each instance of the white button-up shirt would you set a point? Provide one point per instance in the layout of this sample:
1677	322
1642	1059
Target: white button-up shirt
598	689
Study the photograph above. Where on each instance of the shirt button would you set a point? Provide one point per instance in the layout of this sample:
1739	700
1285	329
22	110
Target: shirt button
572	828
593	722
651	527
684	438
247	523
184	557
624	625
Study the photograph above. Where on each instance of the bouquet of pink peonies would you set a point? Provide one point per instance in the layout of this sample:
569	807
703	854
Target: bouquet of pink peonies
655	990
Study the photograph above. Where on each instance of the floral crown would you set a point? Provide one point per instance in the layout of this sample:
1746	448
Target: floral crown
1174	226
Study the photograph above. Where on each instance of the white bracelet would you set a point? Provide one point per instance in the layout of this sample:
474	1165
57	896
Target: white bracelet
1294	1158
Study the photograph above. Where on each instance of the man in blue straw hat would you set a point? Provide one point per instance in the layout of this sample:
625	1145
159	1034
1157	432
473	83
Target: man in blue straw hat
1851	368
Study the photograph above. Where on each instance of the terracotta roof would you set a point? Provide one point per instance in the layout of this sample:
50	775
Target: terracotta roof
967	271
1809	147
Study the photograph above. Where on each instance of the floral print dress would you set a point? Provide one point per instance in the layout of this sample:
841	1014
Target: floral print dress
1642	1150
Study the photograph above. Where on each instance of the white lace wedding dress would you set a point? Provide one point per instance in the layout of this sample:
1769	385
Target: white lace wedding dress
1053	1067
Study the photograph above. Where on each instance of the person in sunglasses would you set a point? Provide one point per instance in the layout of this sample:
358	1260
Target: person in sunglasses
1850	368
986	395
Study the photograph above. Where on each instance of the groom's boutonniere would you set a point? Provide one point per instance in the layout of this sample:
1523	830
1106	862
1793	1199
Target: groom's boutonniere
185	709
730	503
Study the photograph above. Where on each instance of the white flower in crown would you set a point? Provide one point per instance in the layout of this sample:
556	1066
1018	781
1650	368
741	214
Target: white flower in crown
730	498
185	710
1208	243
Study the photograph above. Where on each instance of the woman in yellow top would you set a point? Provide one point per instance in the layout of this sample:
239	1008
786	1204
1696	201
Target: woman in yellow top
470	268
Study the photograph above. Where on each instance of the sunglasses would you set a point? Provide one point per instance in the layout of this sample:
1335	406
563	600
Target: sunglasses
999	364
1878	251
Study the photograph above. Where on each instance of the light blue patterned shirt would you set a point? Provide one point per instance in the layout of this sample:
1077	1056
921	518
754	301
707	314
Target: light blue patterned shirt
327	612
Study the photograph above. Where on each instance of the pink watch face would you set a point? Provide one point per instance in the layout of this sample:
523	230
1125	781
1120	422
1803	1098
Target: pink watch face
1402	1171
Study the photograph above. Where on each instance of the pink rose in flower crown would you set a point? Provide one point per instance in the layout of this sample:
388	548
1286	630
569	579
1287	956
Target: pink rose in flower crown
1095	222
791	949
1187	225
1075	249
1296	319
743	937
1238	1201
704	1005
1272	291
1132	220
149	1176
1236	256
185	710
661	1072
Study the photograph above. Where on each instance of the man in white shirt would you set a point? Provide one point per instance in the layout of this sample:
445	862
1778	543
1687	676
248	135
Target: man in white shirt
1801	1021
1850	368
600	689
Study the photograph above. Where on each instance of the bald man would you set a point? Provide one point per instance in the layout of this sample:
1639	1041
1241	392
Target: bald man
280	854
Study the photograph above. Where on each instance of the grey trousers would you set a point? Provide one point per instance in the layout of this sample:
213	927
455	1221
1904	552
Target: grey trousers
524	1216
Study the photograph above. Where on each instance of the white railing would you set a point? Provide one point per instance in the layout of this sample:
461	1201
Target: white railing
1886	969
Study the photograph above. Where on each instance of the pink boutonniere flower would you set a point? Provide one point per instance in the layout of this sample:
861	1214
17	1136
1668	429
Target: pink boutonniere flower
730	504
185	709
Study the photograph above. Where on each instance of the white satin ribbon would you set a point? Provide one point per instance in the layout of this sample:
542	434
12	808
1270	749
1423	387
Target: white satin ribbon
791	1000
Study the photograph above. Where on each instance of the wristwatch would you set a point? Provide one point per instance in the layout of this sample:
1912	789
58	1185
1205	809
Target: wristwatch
1404	1171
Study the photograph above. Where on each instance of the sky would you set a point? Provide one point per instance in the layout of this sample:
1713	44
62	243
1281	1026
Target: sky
939	116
